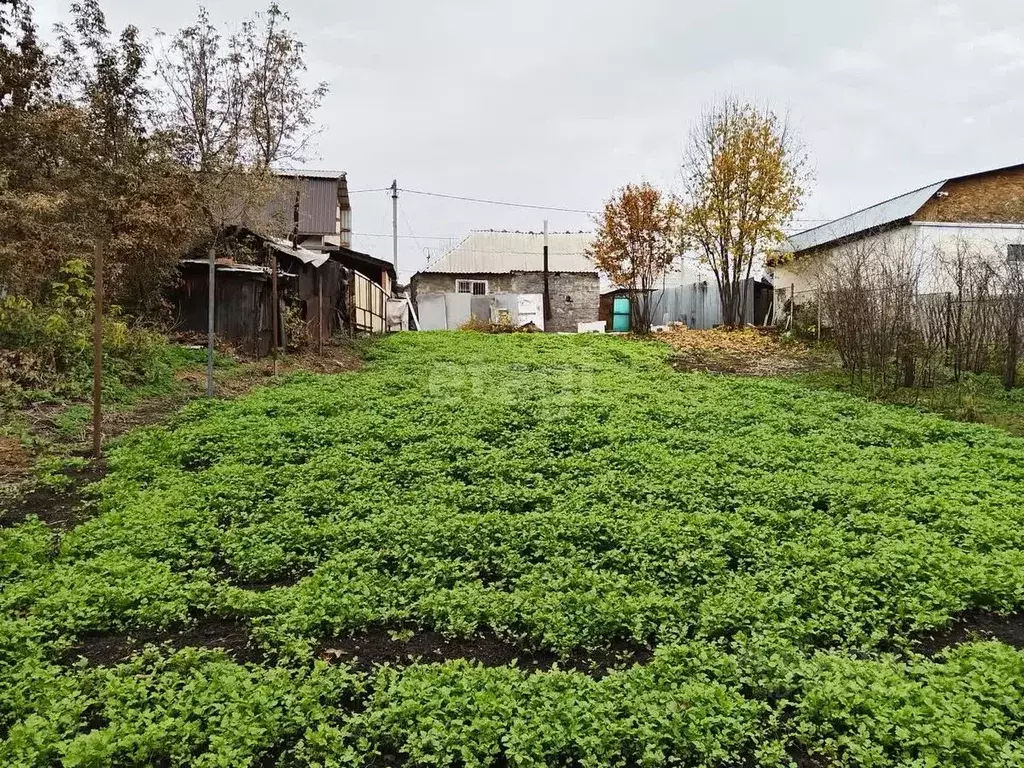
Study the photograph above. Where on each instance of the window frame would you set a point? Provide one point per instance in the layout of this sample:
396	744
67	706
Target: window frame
1015	253
471	284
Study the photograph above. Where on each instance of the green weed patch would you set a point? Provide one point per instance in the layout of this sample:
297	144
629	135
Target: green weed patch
779	548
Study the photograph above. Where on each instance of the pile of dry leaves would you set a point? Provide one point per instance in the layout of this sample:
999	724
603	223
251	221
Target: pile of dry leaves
748	351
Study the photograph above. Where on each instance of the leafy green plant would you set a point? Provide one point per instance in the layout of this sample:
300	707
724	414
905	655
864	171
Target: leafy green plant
48	346
779	547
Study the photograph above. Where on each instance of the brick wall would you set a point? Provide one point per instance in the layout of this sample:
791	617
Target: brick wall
993	197
574	296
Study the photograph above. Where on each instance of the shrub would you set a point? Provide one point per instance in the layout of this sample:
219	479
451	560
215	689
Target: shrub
47	347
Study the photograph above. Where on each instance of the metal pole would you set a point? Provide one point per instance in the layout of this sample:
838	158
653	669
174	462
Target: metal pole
97	352
273	290
211	298
394	224
547	294
320	311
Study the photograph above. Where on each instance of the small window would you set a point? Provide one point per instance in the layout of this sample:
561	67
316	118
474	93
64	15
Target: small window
474	287
1015	253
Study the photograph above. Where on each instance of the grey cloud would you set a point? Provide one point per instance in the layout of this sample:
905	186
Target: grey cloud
560	102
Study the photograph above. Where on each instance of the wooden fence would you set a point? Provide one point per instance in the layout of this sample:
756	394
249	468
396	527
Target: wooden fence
368	305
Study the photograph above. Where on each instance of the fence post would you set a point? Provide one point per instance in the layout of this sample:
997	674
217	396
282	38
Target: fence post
320	311
97	351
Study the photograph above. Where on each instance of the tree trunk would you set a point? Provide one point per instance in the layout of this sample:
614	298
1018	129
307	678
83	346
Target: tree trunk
640	315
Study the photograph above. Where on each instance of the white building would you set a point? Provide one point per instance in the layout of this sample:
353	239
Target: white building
981	212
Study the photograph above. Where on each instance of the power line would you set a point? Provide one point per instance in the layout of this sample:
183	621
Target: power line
530	206
499	202
409	227
405	237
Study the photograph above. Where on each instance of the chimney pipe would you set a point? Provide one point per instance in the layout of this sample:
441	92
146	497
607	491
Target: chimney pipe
344	213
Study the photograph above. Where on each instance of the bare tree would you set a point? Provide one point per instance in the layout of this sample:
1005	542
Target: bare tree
125	180
1009	309
743	177
280	108
207	110
206	84
868	292
637	240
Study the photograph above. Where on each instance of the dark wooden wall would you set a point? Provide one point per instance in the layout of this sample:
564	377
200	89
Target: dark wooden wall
242	307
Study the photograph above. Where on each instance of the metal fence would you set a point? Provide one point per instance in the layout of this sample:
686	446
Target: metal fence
699	305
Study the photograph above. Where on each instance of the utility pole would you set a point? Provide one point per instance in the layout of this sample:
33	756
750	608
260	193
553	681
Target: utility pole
394	223
547	292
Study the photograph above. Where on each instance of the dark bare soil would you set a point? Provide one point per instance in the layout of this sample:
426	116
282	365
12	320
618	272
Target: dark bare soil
370	648
975	625
108	649
60	508
803	758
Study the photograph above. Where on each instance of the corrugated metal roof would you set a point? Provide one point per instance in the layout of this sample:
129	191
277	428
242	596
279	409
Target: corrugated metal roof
304	255
223	266
306	173
888	212
490	252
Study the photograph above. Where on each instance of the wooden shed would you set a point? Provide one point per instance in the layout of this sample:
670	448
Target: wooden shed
343	289
242	303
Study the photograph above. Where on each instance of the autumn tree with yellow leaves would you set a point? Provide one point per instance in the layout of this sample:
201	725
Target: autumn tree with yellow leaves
636	241
744	176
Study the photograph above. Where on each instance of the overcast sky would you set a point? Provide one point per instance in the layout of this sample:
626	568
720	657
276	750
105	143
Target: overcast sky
559	102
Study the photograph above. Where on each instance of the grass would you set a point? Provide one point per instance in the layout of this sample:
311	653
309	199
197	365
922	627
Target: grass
978	398
780	547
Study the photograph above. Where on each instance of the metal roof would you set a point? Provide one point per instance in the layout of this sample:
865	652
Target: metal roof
234	267
306	173
491	252
304	255
888	212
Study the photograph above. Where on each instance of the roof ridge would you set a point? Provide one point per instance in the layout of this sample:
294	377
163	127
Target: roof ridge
938	183
873	205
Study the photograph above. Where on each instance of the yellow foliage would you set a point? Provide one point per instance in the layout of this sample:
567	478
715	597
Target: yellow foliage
744	176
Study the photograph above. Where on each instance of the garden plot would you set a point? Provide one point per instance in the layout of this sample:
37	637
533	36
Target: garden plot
527	550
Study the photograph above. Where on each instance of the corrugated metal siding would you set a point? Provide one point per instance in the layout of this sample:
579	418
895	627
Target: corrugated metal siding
700	307
318	205
502	252
902	207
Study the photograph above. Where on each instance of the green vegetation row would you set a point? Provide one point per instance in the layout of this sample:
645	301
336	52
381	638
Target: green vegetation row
779	547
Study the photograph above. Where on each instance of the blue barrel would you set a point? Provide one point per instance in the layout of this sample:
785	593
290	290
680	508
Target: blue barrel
620	314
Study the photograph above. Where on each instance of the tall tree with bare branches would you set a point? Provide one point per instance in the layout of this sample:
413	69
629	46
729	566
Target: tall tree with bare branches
637	239
280	107
744	176
208	98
